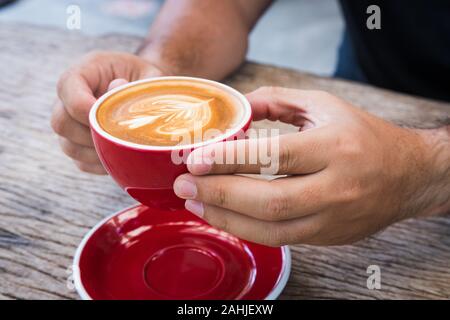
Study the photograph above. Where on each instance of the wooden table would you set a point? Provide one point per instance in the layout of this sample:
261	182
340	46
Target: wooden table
47	205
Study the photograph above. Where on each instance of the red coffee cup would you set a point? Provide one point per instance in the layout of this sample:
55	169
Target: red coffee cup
147	173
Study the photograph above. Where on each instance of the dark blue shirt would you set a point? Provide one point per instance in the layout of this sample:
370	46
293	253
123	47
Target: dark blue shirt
411	51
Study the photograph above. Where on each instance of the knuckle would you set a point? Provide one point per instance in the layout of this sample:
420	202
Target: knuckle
95	55
349	146
326	97
312	193
75	109
83	167
287	160
274	237
63	77
57	122
219	221
77	112
70	150
62	80
219	196
90	168
277	206
350	193
321	94
306	234
270	90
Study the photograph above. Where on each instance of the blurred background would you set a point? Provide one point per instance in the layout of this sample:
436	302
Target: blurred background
299	34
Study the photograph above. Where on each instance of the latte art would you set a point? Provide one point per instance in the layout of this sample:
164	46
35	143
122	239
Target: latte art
167	112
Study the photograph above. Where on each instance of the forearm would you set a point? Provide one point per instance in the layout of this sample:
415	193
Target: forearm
200	37
435	197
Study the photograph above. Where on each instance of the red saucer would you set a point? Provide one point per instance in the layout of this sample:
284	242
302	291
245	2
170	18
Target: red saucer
142	253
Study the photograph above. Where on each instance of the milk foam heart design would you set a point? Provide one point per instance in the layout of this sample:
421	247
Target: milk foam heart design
166	114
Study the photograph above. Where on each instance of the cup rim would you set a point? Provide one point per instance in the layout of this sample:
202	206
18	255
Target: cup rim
246	118
276	290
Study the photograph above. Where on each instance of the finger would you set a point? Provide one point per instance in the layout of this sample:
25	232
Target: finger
276	103
280	199
303	108
247	228
295	153
116	83
90	168
79	152
76	96
64	125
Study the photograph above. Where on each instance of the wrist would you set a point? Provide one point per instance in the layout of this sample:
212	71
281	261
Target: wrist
434	193
164	60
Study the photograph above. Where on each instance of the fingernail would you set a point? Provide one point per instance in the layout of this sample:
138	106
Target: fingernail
200	163
196	207
185	189
116	83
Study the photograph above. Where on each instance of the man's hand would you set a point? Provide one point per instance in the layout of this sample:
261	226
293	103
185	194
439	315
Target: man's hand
350	174
78	89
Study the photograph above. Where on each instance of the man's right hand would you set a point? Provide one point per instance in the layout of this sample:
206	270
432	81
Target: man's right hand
79	87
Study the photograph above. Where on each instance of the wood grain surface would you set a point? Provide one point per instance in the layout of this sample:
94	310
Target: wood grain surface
47	205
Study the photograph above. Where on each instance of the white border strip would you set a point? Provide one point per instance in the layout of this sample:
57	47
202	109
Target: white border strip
246	116
276	291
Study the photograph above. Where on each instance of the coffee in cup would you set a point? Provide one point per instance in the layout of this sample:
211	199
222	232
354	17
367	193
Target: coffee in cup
167	112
